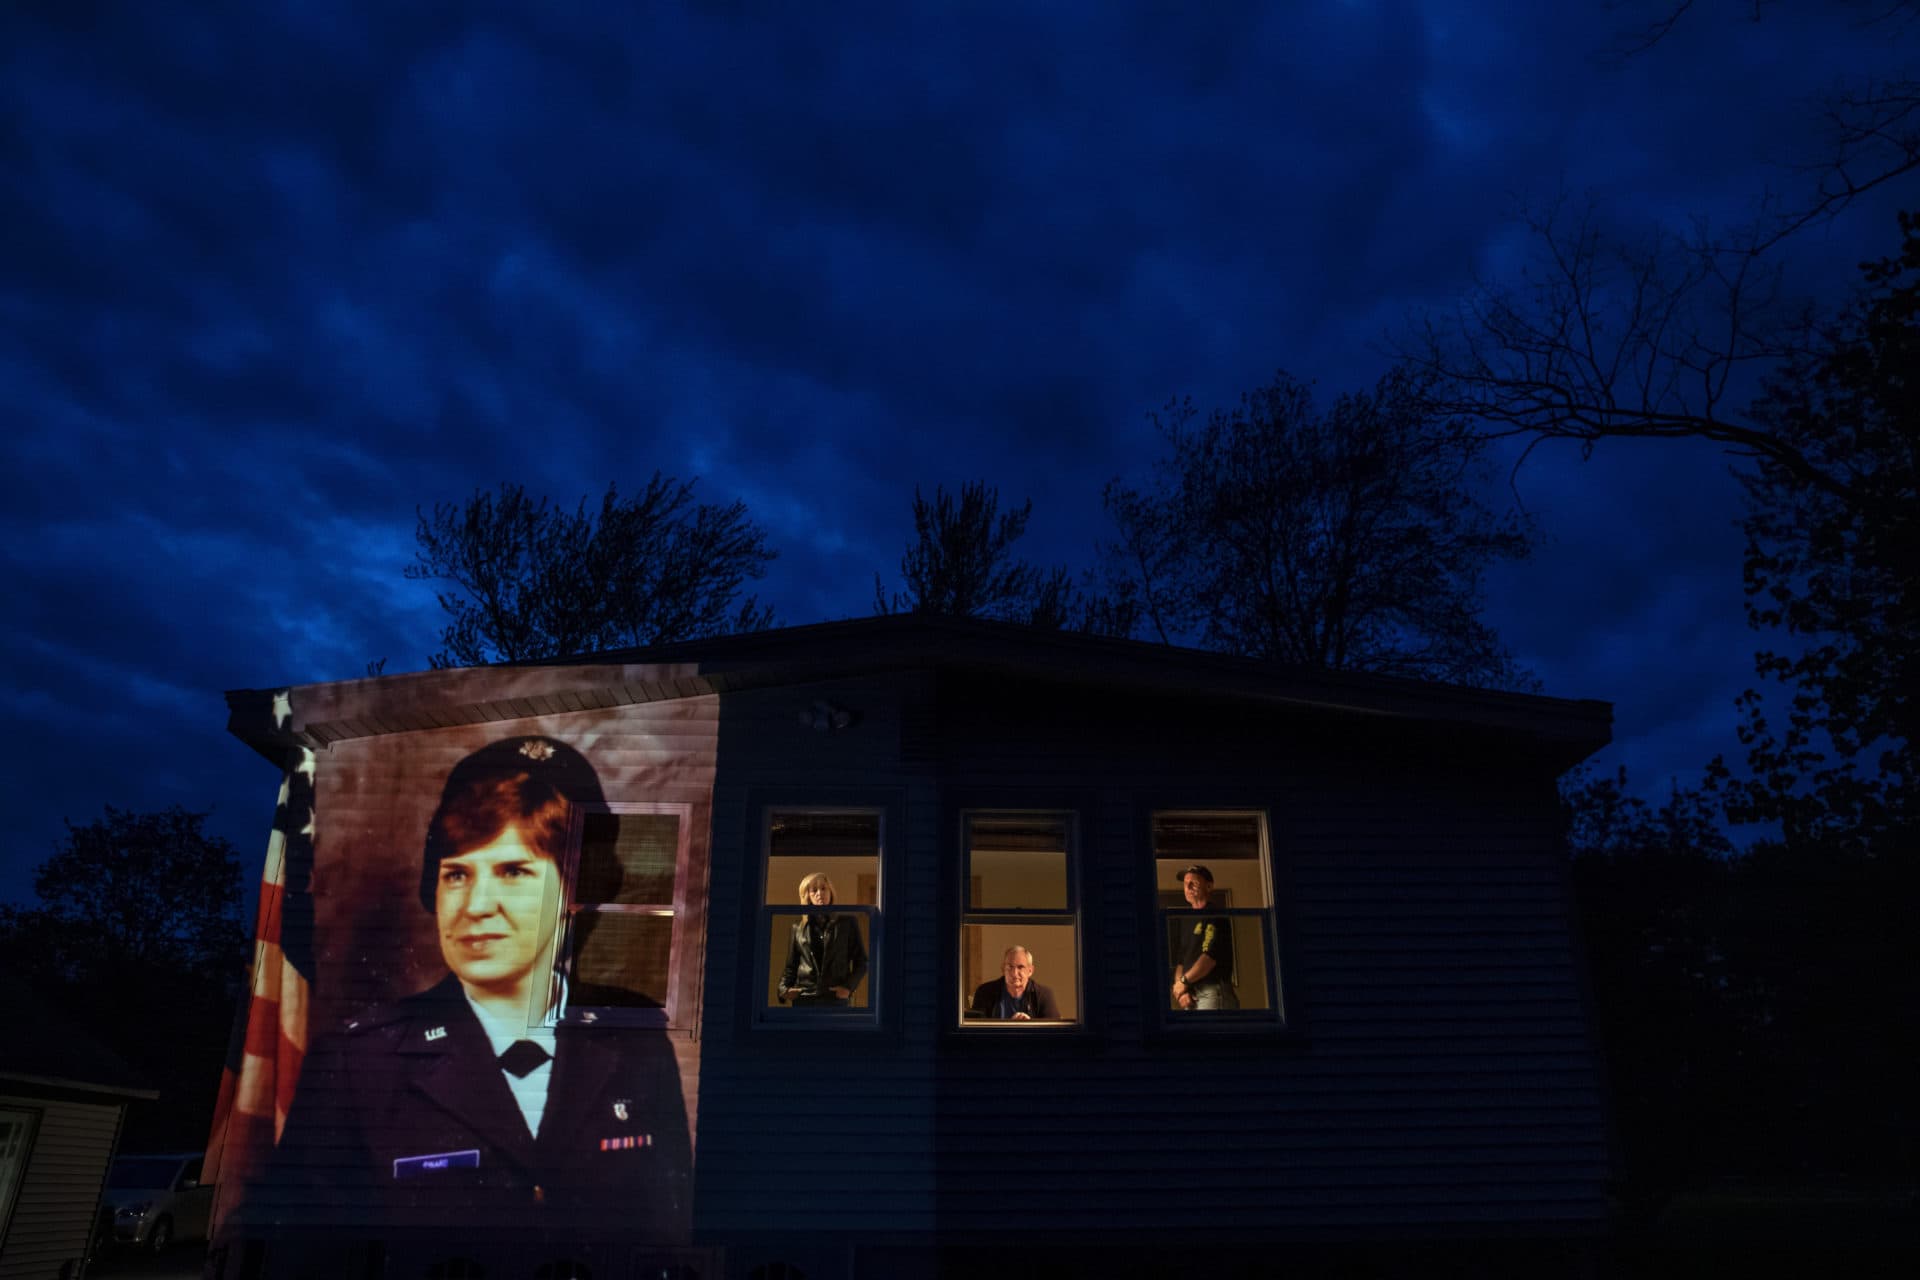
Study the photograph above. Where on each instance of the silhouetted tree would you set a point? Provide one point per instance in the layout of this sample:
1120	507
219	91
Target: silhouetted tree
1351	539
1870	126
962	564
1835	564
1761	1013
1822	938
1088	606
1147	560
1612	333
1616	330
1600	341
132	892
1759	1010
1652	888
534	581
137	929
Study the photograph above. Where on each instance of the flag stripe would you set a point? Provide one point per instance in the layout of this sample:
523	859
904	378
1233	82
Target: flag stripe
263	1069
263	1033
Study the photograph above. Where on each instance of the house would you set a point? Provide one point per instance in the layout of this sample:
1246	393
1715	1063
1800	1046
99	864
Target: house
63	1100
1408	1068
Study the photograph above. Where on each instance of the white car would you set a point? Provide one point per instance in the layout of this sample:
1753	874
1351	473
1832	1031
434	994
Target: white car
158	1199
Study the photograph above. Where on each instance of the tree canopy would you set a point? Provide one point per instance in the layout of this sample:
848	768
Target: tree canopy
137	932
962	564
1612	329
1653	887
1354	537
133	892
532	580
1833	561
1776	982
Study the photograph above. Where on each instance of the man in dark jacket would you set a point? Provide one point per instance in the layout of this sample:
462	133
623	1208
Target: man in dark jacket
1014	996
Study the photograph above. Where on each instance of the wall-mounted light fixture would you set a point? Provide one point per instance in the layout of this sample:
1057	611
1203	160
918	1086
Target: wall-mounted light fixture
824	717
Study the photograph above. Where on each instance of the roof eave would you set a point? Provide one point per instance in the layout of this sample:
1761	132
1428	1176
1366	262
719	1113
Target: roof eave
315	716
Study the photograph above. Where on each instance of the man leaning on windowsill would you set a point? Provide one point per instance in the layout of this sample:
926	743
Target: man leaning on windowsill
1014	996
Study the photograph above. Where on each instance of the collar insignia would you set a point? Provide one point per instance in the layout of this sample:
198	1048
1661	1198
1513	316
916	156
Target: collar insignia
436	1033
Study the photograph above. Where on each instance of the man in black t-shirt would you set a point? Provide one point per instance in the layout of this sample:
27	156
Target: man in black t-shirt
1203	968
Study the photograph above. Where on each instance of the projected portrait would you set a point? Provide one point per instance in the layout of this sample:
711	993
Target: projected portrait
489	1094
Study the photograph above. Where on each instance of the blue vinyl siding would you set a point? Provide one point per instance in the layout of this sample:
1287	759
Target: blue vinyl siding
1444	1079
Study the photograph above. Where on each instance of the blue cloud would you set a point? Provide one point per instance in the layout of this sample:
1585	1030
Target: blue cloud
278	273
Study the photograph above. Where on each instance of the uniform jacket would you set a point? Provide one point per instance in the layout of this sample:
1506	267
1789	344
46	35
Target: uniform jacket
1036	1001
405	1119
840	961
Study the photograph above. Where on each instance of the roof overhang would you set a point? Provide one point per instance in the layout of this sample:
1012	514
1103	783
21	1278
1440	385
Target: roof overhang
318	715
72	1085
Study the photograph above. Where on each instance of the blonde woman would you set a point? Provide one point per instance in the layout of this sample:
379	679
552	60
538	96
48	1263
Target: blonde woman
827	959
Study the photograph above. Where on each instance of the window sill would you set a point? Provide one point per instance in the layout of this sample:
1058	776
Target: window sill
1225	1028
816	1019
995	1036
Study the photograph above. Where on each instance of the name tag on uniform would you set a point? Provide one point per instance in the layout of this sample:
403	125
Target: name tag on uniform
421	1166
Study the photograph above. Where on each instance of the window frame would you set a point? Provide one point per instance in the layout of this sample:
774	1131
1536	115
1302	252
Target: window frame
765	1016
673	1015
1276	1016
1070	915
29	1120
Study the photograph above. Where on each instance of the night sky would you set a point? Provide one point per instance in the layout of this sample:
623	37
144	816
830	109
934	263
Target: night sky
275	276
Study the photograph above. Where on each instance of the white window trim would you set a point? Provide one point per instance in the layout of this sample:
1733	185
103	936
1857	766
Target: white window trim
673	1015
786	1017
1069	915
1267	914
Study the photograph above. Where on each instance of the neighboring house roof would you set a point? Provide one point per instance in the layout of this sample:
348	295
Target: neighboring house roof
45	1046
1567	731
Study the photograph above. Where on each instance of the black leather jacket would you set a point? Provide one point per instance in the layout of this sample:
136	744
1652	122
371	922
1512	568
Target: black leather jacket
839	961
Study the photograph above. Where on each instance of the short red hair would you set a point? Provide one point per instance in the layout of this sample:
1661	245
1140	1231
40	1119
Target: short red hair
530	784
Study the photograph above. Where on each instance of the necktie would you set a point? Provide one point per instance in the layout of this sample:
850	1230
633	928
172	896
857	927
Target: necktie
523	1057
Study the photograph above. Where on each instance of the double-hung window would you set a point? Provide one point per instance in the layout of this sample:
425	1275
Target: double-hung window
16	1140
1021	924
1214	891
820	914
626	904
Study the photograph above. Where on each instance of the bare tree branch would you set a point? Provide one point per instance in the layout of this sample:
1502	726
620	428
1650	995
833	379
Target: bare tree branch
1605	337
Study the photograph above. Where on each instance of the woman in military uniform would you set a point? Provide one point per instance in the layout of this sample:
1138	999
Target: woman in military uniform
464	1105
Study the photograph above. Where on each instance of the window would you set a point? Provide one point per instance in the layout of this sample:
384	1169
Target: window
820	952
1021	892
1233	930
624	910
16	1139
